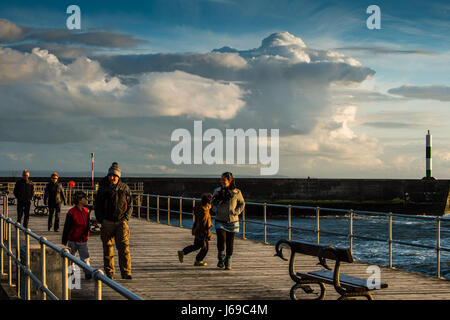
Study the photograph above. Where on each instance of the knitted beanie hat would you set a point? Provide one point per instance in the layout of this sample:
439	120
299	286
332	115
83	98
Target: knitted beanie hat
114	169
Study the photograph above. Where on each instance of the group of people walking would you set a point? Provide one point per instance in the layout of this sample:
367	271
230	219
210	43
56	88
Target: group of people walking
113	208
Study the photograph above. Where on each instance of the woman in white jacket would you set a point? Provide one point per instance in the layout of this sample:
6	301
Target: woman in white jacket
227	204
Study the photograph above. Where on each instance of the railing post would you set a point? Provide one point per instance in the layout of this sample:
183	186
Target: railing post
65	280
168	210
1	249
193	211
243	224
148	207
43	269
27	264
181	212
390	240
19	293
438	248
265	222
289	221
139	206
98	286
318	224
157	208
350	235
9	257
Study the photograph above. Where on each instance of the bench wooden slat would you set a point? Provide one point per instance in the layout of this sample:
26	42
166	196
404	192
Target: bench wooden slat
314	249
345	280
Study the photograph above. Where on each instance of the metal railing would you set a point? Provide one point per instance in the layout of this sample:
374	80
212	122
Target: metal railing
145	210
6	225
315	212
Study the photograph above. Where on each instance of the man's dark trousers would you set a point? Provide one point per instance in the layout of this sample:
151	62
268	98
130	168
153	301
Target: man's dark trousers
53	209
23	210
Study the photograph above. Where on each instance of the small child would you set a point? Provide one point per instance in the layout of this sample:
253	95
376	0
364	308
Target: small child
201	231
76	229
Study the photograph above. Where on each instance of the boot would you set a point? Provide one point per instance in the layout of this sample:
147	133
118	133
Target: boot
228	262
221	257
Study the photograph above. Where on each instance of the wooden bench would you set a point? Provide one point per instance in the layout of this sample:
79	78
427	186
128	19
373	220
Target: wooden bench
346	286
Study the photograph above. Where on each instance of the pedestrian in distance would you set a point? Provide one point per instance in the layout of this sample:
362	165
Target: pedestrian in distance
76	229
24	192
201	229
113	208
54	197
227	204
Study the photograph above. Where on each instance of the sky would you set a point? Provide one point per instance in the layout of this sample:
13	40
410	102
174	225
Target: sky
348	101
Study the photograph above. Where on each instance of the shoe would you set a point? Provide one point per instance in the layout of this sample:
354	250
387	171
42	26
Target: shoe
228	263
56	230
180	256
128	277
200	263
220	257
111	276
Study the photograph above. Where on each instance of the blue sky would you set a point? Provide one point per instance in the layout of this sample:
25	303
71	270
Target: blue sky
363	119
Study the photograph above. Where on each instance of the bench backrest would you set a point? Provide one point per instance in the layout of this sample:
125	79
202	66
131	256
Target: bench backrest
343	254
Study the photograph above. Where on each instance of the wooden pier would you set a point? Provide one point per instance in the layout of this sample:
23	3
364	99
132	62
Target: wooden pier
257	274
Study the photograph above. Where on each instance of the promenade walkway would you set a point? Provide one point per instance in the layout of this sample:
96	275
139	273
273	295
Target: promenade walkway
256	274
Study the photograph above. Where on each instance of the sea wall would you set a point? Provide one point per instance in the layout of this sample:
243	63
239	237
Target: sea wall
397	195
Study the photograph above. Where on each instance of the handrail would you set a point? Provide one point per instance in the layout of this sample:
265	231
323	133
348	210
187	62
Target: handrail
350	235
97	274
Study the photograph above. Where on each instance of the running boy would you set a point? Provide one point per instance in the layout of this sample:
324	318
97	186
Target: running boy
76	229
201	231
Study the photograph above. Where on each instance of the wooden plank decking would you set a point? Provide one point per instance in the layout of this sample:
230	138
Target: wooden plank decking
256	274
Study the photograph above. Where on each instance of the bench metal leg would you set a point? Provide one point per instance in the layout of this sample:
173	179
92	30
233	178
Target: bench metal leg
350	295
308	290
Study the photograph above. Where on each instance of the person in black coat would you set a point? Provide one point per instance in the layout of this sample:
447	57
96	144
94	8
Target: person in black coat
54	197
24	192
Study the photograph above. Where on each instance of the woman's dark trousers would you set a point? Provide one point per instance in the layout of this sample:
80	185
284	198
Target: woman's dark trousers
225	239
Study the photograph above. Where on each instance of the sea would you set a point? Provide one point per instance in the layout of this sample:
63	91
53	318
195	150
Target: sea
405	257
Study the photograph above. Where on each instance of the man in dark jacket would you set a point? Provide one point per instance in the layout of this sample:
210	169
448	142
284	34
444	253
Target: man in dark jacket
54	197
24	192
113	208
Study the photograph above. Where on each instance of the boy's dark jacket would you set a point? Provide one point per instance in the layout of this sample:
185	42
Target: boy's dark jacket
202	223
113	203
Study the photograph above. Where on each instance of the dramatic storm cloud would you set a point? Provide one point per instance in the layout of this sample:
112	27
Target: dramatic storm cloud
138	100
286	82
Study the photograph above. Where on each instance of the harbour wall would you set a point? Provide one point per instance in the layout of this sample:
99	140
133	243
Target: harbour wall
413	196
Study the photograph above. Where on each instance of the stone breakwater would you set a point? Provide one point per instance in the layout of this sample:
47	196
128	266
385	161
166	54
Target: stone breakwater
413	196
